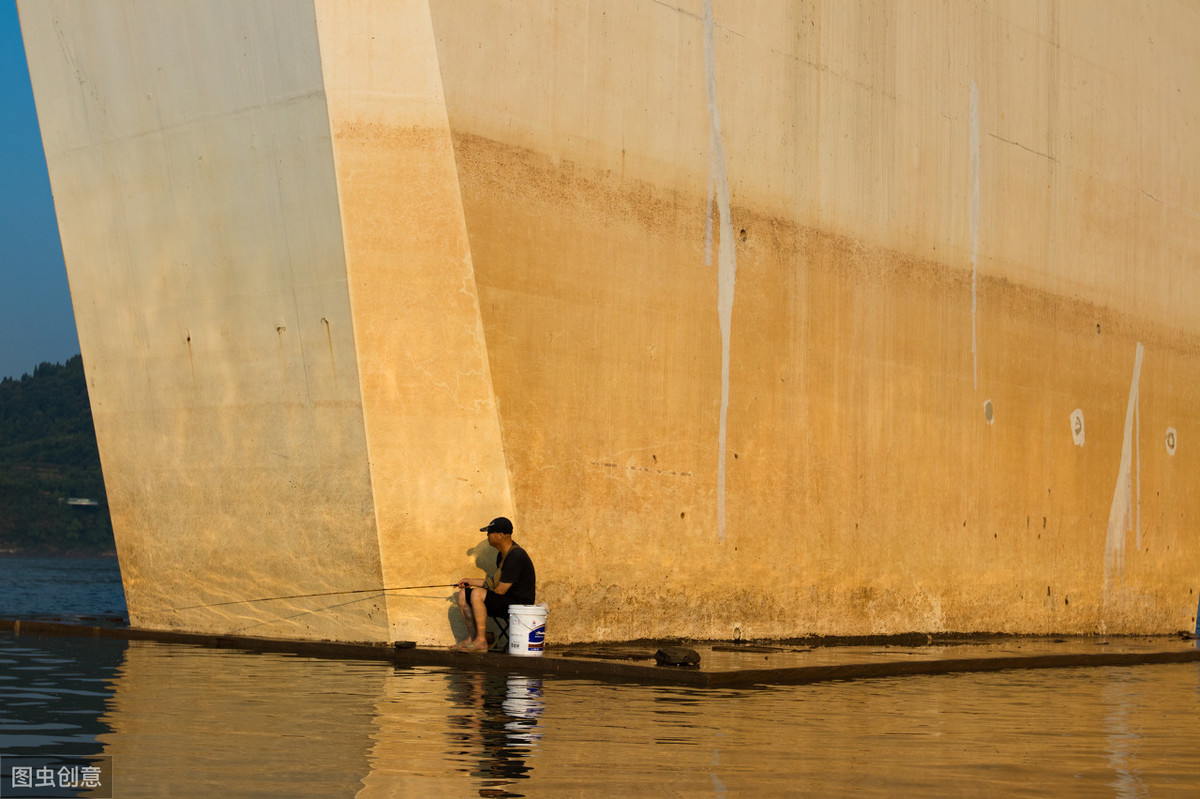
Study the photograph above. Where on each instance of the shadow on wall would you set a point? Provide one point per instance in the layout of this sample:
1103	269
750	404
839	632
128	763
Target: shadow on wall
485	556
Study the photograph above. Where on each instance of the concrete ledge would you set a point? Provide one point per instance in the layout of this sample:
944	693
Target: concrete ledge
861	671
626	663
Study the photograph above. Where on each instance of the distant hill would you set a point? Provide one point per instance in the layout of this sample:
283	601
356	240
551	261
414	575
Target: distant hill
52	496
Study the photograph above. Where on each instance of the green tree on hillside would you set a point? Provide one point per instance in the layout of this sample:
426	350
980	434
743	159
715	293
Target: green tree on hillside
48	456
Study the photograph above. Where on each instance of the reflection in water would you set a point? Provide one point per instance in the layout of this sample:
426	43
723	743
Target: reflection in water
497	717
1124	736
188	721
52	694
439	731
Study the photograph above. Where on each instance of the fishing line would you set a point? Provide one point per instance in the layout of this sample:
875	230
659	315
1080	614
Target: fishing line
298	614
306	596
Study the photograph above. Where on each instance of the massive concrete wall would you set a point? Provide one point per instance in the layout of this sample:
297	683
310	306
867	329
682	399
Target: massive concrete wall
190	160
437	464
761	319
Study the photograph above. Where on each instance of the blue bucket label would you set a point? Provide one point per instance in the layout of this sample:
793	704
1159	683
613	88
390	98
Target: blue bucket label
537	637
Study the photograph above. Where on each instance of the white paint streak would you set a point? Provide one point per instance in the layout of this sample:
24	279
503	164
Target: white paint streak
1078	432
726	255
1123	513
1137	467
974	114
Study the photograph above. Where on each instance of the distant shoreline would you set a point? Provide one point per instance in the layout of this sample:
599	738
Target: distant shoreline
48	553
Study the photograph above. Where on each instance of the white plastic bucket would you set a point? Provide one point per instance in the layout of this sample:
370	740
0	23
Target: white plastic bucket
526	630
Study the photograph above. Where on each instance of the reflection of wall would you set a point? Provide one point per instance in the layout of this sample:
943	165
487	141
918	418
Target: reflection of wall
757	316
186	721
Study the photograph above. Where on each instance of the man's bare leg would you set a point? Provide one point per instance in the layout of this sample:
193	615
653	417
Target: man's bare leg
468	616
478	640
474	613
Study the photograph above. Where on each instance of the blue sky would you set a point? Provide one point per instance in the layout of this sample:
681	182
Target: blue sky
36	322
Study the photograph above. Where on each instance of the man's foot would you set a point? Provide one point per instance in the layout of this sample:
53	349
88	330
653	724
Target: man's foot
470	646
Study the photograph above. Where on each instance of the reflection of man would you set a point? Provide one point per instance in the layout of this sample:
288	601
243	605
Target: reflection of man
505	737
514	583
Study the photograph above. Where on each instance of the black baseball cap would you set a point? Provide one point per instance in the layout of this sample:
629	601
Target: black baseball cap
498	525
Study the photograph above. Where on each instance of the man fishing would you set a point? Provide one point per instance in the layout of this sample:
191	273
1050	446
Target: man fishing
513	583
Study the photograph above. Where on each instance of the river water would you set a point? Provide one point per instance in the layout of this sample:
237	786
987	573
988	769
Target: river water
181	720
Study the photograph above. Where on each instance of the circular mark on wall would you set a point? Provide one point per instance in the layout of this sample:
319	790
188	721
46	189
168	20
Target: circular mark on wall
1172	437
1077	426
988	413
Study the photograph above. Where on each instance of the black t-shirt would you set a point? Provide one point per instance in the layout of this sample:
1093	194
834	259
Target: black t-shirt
518	570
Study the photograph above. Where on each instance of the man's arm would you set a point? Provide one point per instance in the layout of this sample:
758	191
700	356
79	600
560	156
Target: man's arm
502	588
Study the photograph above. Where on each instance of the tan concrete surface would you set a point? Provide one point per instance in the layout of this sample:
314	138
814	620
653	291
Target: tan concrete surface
193	175
437	463
759	319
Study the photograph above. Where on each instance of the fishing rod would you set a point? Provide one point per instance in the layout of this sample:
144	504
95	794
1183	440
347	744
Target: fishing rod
262	622
323	593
